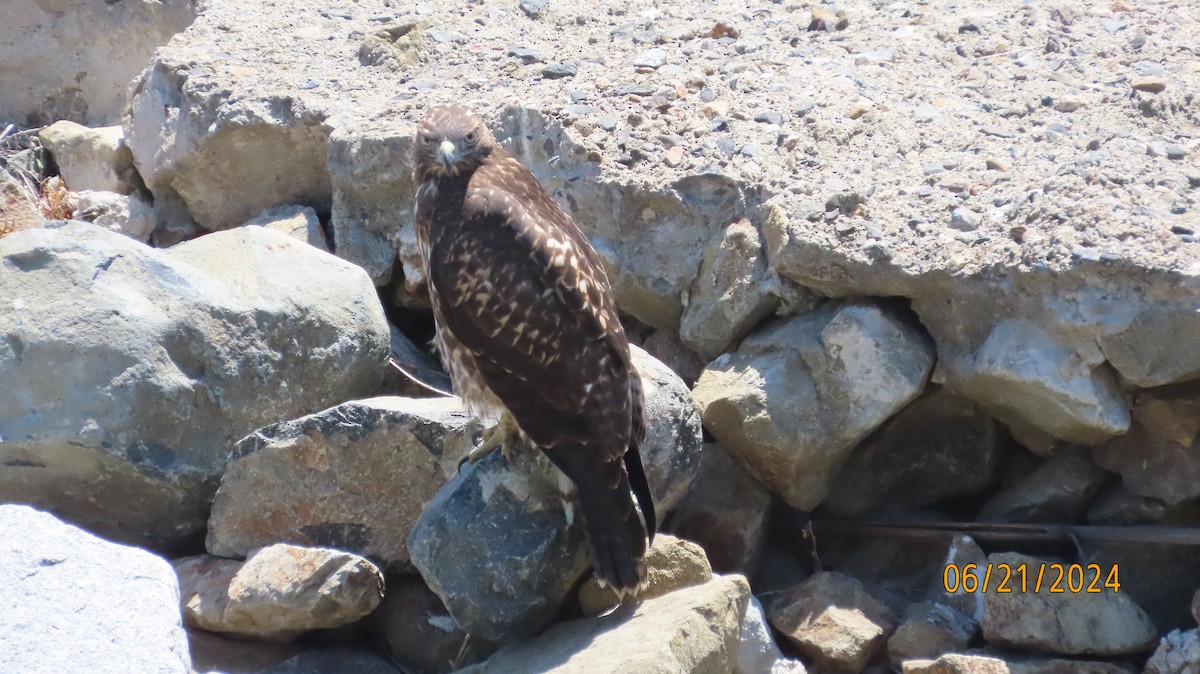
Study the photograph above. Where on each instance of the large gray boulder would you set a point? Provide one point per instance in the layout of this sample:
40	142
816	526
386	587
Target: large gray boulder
495	543
74	59
131	372
353	477
70	601
800	393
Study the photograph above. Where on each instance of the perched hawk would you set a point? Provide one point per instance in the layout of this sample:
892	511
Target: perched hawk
528	330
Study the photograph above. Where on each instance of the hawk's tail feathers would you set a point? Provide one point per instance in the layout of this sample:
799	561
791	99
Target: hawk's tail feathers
616	535
641	489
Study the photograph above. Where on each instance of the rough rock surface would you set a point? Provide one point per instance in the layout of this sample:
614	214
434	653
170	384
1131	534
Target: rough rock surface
725	512
420	635
353	477
939	446
958	663
671	563
1157	458
130	372
17	209
690	630
68	598
1103	623
91	159
832	620
279	592
799	394
758	653
494	543
122	213
962	551
298	222
333	660
928	630
731	293
1177	653
73	60
1056	491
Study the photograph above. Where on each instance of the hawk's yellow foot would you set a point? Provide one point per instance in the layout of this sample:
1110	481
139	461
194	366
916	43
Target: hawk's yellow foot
505	435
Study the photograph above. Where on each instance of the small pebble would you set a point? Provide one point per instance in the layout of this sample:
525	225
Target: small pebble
707	95
1112	25
725	145
996	164
1153	85
651	58
1180	229
526	56
964	219
989	130
556	71
859	109
769	117
749	150
1176	152
932	168
1157	149
533	8
607	122
674	156
1068	105
1086	254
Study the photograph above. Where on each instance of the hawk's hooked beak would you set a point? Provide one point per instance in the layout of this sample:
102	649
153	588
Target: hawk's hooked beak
447	153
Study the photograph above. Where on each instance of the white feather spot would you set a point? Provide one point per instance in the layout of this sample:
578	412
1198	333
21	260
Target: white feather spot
559	260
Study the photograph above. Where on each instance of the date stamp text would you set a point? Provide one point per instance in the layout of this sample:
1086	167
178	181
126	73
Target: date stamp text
1006	578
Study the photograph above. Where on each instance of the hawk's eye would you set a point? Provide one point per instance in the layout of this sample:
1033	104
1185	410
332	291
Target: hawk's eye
471	138
426	139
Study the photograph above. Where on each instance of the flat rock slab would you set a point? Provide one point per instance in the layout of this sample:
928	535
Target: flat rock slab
690	630
70	601
130	372
353	477
1067	623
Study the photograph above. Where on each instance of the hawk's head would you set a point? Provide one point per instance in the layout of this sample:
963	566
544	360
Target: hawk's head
451	141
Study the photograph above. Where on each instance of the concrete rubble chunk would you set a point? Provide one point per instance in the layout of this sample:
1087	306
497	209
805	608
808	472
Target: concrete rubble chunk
1157	458
1178	653
125	426
730	295
495	543
801	392
91	159
68	597
832	620
73	60
299	222
353	477
1058	490
1067	623
694	630
122	213
928	630
279	592
961	663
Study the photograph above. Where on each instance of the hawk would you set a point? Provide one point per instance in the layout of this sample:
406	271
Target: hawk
527	328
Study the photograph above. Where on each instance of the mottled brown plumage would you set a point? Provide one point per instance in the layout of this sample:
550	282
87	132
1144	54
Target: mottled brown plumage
526	324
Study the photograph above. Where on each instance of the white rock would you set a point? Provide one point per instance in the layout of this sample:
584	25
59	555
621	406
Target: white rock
120	213
758	653
72	602
90	159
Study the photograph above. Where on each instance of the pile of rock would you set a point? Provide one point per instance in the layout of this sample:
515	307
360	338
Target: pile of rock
957	281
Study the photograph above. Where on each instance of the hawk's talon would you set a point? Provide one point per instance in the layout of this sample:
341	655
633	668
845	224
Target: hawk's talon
505	435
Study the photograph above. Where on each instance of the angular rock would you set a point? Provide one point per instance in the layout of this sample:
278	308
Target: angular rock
666	347
1157	458
68	597
74	60
1162	594
120	213
353	477
495	544
956	663
725	512
413	372
420	635
758	653
690	630
929	630
279	592
213	653
17	208
333	660
1177	653
800	393
938	447
1059	490
1025	375
671	563
226	332
298	222
962	552
1103	623
91	159
1158	346
832	620
1116	506
730	295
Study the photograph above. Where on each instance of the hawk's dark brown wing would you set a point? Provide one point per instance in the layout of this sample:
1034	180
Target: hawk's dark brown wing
519	286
